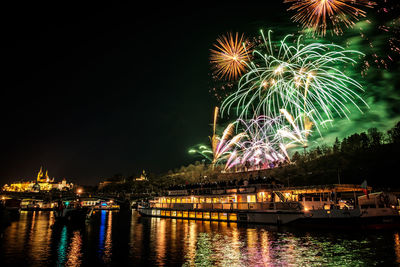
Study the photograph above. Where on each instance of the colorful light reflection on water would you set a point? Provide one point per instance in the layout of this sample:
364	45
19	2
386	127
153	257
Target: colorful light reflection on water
124	238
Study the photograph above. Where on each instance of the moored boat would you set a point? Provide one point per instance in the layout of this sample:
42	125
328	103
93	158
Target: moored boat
326	205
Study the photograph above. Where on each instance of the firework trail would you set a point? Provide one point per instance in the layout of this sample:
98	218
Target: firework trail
221	146
225	143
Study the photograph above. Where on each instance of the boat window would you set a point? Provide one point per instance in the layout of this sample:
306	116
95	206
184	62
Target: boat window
223	216
251	198
233	217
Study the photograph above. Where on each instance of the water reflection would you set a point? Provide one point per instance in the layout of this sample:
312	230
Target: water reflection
158	233
62	247
102	230
105	235
115	238
75	253
397	246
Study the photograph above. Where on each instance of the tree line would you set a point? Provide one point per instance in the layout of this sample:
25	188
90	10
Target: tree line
370	155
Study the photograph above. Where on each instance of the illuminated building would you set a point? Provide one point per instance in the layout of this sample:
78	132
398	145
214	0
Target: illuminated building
42	183
143	177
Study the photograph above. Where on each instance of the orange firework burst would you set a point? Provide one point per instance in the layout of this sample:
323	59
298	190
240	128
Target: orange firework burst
321	15
230	57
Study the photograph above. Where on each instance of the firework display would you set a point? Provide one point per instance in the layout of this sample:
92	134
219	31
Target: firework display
323	15
288	89
279	93
303	79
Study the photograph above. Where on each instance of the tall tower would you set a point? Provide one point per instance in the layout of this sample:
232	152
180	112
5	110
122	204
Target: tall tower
40	174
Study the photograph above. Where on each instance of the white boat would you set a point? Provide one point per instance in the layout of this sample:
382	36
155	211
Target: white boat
339	205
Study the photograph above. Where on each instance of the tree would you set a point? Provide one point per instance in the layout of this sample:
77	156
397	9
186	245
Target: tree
364	141
336	146
296	156
375	136
394	133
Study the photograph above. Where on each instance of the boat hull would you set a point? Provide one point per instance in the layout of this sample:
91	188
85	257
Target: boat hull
319	219
378	222
276	217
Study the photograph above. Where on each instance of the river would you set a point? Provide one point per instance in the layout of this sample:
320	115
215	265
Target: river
118	238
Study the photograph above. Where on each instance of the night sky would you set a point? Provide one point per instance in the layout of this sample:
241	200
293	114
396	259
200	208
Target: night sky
89	92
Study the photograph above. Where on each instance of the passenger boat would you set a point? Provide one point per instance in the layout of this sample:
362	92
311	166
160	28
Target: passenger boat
325	205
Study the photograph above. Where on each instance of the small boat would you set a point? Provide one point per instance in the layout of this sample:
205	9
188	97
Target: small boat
70	212
107	205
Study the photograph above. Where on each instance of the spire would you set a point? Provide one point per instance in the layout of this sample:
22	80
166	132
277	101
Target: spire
40	174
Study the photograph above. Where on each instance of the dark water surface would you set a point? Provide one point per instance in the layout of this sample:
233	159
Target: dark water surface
126	239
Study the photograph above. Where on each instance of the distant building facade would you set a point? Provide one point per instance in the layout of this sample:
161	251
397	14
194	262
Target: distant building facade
42	183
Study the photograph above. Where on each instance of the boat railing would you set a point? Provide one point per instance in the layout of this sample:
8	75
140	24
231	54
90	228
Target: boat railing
294	205
228	189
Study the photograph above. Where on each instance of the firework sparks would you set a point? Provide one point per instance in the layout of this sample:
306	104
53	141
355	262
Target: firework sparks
260	147
380	33
229	57
202	150
321	15
299	131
